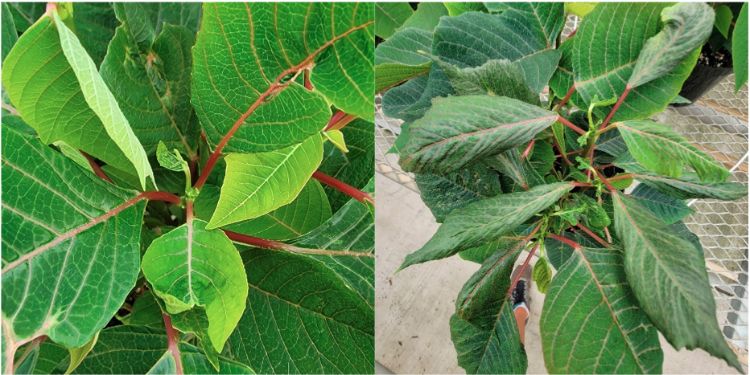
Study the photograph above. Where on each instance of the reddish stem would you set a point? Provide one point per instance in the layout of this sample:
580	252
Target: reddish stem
173	343
339	120
615	107
571	125
565	240
623	176
278	85
581	184
255	241
572	33
605	181
593	235
569	94
563	155
343	187
160	196
307	82
528	149
95	166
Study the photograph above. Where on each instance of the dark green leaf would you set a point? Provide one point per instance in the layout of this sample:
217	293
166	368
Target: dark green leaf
459	130
10	35
356	167
71	246
591	322
444	193
739	49
723	19
426	16
95	25
402	57
485	220
666	208
668	276
483	329
389	17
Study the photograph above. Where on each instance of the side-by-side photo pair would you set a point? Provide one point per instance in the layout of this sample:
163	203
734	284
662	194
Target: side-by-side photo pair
374	188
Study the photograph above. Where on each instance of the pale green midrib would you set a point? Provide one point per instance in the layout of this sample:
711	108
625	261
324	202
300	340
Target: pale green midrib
264	182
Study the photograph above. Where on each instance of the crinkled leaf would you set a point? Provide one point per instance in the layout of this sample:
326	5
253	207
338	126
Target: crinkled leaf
486	220
591	322
542	275
662	150
602	64
494	78
269	180
402	57
191	266
686	27
665	207
242	50
70	245
444	193
48	65
152	86
668	276
306	212
547	16
170	159
458	130
483	329
146	20
301	318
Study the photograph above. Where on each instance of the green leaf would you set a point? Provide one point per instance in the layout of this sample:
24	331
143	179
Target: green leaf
95	24
356	167
69	239
723	19
444	193
483	329
665	207
426	16
686	27
145	312
668	276
307	211
580	9
689	187
77	355
351	229
602	65
49	63
152	85
547	16
171	160
494	78
739	49
25	14
389	17
458	8
591	322
195	362
402	57
336	137
662	150
241	72
486	220
459	130
542	275
301	318
269	180
191	266
146	20
10	35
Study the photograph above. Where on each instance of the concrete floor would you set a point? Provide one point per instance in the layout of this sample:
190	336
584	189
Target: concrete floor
413	307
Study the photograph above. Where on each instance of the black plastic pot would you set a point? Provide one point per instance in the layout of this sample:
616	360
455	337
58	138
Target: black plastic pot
702	79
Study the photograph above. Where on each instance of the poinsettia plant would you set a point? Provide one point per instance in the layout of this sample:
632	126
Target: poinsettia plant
580	177
185	188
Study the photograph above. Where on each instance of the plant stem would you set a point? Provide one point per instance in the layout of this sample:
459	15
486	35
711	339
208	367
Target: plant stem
280	246
593	235
569	94
581	184
605	181
565	240
274	88
623	176
528	149
339	120
524	266
563	155
160	196
173	343
615	107
95	166
343	187
307	82
571	125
